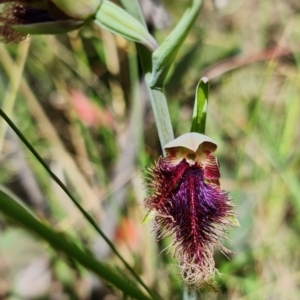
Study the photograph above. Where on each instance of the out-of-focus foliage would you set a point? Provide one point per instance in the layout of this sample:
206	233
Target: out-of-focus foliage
77	105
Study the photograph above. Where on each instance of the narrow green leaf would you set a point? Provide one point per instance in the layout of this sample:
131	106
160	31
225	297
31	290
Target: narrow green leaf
18	212
116	20
148	217
55	27
64	188
235	221
200	106
164	56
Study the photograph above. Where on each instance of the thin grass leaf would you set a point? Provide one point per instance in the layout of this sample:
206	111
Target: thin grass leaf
148	217
164	56
200	106
16	211
77	204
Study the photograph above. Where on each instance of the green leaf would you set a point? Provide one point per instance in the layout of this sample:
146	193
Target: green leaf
164	56
116	20
55	27
200	106
148	217
77	204
15	210
235	222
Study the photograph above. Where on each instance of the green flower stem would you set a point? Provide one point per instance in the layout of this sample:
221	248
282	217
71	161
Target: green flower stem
161	114
64	188
155	83
188	296
156	66
158	99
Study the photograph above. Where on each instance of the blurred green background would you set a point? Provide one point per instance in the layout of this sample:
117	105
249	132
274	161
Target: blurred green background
80	102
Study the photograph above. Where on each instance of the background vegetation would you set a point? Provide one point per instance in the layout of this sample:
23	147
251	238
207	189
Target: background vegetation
74	97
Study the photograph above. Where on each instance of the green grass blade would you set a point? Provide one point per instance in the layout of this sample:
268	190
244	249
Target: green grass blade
16	211
200	106
164	56
64	188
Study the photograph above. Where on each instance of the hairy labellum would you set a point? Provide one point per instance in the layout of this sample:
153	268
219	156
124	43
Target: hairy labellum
189	205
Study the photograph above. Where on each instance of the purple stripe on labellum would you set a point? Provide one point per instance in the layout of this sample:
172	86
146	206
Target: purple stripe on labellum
190	206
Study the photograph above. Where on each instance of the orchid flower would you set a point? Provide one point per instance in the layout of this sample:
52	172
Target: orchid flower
189	205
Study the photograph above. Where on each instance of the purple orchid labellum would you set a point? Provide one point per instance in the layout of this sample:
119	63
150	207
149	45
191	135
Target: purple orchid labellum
189	205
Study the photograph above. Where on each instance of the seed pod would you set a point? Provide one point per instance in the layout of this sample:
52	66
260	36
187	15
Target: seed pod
78	9
116	20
